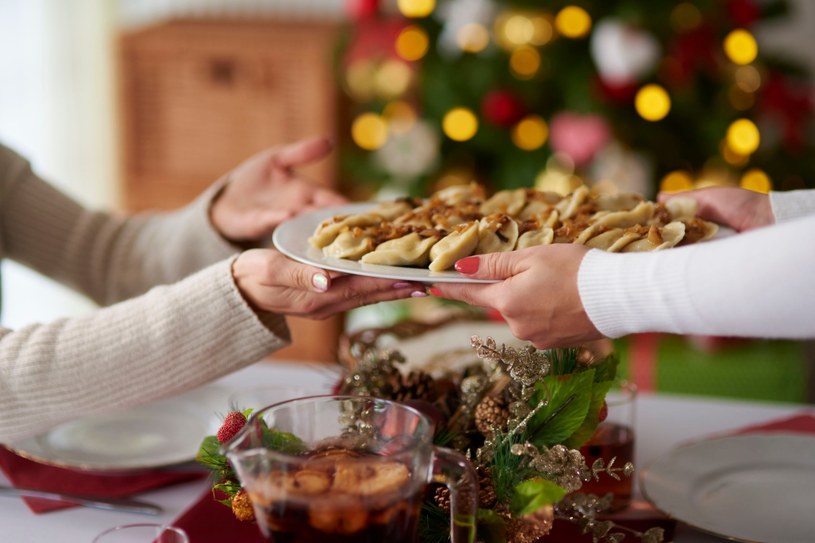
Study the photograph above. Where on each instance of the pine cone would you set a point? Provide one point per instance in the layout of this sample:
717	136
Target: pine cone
486	488
416	385
242	506
490	414
442	498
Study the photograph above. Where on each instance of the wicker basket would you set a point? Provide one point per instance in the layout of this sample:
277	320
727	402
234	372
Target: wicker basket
198	97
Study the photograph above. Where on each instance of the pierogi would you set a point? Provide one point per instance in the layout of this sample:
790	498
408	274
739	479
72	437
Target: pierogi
461	220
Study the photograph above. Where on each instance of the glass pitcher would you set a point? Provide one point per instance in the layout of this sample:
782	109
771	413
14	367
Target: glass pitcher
347	468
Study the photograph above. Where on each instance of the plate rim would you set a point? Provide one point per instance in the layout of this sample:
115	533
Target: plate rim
199	398
773	435
307	222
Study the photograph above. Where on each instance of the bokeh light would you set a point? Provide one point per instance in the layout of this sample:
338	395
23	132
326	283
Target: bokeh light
740	100
747	78
685	17
359	80
473	37
732	157
524	62
740	46
676	181
392	79
756	180
573	22
416	8
369	131
543	32
400	116
743	137
518	29
412	43
530	133
460	124
652	102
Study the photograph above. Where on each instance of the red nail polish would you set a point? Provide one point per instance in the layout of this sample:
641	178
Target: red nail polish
435	292
467	265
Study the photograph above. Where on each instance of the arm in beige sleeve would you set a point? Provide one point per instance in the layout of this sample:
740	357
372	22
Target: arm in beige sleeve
754	284
166	341
107	257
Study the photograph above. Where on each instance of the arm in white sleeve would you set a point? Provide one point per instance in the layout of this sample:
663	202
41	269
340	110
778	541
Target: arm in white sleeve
756	284
792	204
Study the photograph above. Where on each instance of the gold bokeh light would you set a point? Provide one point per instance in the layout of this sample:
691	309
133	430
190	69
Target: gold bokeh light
525	62
743	137
573	22
460	124
652	102
740	47
685	16
676	181
416	8
756	180
412	43
369	131
393	78
530	133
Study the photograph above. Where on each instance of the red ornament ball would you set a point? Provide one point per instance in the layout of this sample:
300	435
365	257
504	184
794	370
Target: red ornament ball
502	108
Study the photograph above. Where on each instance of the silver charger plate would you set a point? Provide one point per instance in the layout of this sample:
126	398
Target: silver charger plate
756	488
159	434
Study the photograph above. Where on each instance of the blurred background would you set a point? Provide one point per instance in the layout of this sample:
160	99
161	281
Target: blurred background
140	104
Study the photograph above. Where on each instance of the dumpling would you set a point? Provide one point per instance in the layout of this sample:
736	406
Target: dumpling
510	202
457	194
570	204
604	240
698	230
459	243
657	238
681	207
538	203
391	210
329	229
621	201
641	214
496	233
409	250
540	236
351	243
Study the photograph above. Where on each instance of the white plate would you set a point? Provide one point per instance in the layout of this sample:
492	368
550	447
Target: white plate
757	488
155	435
291	239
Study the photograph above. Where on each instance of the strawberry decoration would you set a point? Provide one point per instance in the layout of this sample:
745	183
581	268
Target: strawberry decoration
601	416
234	421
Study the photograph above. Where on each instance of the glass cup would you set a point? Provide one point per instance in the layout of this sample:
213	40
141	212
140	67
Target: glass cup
347	468
142	533
614	439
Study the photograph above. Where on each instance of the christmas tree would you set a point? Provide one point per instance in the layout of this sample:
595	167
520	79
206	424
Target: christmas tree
623	94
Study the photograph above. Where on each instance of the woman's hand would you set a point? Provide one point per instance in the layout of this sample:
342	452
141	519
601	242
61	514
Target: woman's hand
536	293
738	208
265	190
269	281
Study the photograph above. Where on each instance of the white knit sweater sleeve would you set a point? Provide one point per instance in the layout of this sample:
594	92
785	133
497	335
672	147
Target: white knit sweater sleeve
791	204
168	340
754	284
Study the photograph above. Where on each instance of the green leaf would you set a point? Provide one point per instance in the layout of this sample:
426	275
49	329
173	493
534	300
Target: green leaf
532	494
585	431
606	369
284	442
209	454
566	411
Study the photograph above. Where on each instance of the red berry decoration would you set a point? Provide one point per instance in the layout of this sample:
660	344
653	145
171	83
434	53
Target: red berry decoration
601	416
502	108
234	421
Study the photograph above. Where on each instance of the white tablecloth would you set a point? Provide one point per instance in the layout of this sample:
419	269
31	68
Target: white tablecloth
663	422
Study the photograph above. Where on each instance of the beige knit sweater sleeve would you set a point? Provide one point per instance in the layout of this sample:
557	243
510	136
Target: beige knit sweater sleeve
188	331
